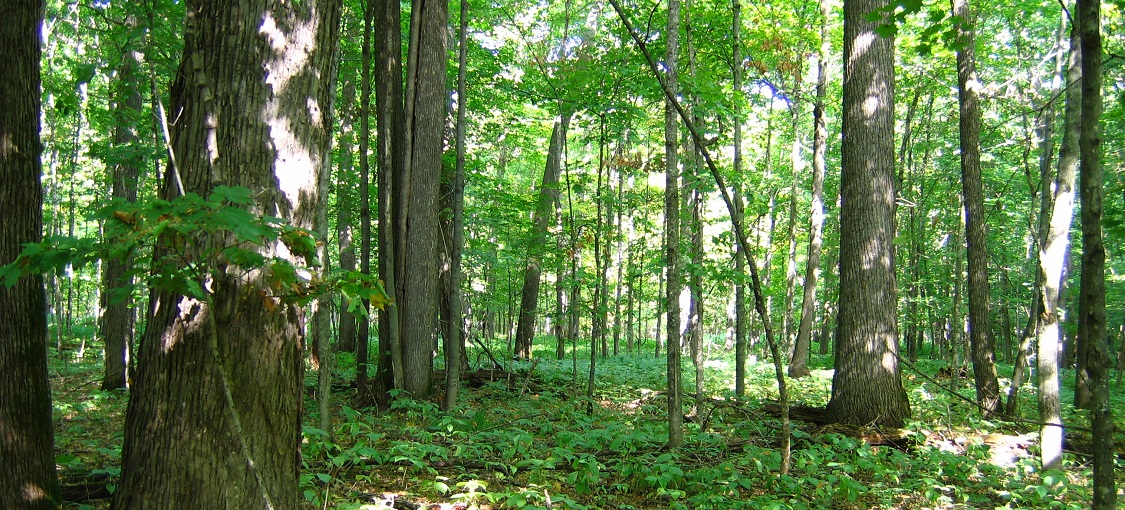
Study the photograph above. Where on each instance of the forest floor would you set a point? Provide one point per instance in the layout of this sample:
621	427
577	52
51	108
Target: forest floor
532	439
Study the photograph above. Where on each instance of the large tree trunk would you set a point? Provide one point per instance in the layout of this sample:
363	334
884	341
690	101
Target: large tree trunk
28	478
1091	304
216	422
867	386
116	324
980	329
544	211
798	364
425	114
672	230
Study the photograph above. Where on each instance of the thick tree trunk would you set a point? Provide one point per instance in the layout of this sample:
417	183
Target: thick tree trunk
216	422
1091	304
544	211
426	117
867	386
28	478
980	329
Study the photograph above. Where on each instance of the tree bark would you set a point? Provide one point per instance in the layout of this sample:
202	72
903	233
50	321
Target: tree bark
345	215
1091	304
980	329
426	107
216	422
867	386
454	342
1054	243
798	364
672	230
116	324
28	479
740	322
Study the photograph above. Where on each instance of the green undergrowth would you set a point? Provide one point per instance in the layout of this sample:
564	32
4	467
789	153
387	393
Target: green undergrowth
535	441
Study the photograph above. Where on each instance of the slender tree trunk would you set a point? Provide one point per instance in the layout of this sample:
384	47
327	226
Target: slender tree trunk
363	330
216	422
798	364
1092	316
346	327
390	150
116	324
672	230
28	478
548	195
867	386
1054	243
980	329
740	322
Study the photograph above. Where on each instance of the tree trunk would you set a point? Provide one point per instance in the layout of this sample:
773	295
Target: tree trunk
425	114
28	479
980	329
1092	315
544	211
363	330
867	386
216	422
672	231
116	324
798	364
345	215
391	152
740	264
1054	243
454	342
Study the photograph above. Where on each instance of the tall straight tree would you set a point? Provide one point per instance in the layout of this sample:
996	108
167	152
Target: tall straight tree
740	319
455	238
980	329
798	364
980	332
1091	303
116	324
867	385
27	441
419	252
672	228
216	422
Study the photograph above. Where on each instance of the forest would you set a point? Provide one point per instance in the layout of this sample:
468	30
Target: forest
569	254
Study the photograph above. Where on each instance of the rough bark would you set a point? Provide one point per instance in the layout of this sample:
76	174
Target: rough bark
867	386
425	109
116	323
1091	304
454	342
215	421
980	329
28	478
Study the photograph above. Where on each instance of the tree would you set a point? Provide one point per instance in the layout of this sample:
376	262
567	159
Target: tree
1054	243
867	386
425	121
1091	304
28	479
980	329
544	212
215	421
116	324
798	364
672	229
